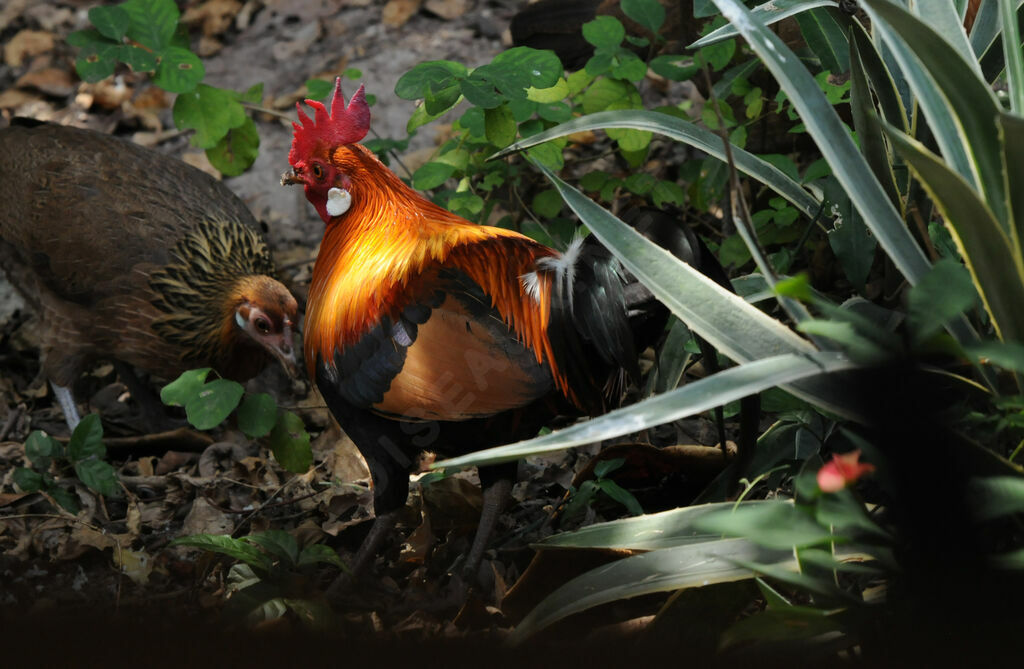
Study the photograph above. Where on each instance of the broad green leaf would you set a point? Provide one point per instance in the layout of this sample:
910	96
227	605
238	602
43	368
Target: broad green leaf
112	21
832	138
213	403
528	68
138	59
318	89
210	111
432	75
64	498
688	133
41	448
253	95
89	37
547	203
693	398
153	22
278	543
27	479
237	151
87	439
604	32
431	175
942	295
319	554
96	61
648	13
675	67
653	531
499	126
181	390
257	415
179	70
290	443
99	476
780	626
860	348
984	246
606	93
226	545
853	245
767	14
659	571
959	91
556	93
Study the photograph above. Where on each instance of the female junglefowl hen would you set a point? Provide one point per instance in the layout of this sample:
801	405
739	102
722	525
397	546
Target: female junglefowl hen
130	255
425	331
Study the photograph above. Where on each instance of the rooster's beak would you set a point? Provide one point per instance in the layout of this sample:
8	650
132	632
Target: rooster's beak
290	178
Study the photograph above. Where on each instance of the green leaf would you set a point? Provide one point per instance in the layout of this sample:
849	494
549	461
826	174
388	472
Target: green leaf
257	415
214	402
682	131
253	95
621	495
556	93
853	245
318	89
153	22
826	38
96	62
41	449
831	136
318	554
547	203
608	93
278	543
237	151
675	67
184	388
691	399
112	22
780	525
89	37
982	242
431	175
99	476
290	443
179	70
433	75
996	496
658	571
27	479
210	111
64	498
648	13
604	32
138	59
87	439
225	545
499	126
942	295
766	14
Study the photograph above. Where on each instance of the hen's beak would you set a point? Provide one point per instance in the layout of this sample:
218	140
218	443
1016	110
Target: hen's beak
284	350
290	178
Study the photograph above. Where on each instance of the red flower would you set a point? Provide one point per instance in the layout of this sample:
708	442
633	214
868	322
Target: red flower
843	470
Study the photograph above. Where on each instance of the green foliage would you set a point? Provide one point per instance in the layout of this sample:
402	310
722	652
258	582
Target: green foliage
145	35
589	490
84	454
274	575
209	403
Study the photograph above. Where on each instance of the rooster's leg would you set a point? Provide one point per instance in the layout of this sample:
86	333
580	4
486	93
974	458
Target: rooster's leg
496	496
67	405
382	524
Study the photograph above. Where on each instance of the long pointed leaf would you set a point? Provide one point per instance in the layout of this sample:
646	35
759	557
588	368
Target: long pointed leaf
693	398
685	132
1012	54
869	130
981	240
943	18
849	167
768	13
1013	150
963	92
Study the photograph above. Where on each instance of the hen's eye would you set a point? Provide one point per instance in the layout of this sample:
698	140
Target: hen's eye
318	171
262	325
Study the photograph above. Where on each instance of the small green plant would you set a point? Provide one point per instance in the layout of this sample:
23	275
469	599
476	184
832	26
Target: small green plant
589	490
84	454
274	574
209	403
145	35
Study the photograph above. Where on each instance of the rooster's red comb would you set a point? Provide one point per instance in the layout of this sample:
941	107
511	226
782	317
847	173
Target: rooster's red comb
344	125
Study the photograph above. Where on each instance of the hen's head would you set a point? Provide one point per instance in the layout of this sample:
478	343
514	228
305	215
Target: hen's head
314	144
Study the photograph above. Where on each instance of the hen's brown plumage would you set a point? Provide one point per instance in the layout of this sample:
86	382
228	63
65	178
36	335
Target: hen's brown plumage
131	255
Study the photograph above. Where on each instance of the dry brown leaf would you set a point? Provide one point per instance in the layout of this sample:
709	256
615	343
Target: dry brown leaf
12	98
25	44
109	93
50	80
397	12
448	9
215	15
205	518
209	46
199	159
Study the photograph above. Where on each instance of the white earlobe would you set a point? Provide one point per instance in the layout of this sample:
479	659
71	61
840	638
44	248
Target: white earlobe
338	201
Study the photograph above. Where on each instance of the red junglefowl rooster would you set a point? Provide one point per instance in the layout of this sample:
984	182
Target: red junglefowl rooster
426	331
130	255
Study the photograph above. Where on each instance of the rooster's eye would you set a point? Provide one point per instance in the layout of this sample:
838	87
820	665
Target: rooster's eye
318	171
262	325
